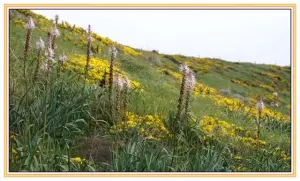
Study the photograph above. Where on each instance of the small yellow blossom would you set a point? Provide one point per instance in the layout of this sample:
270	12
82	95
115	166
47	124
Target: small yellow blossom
77	160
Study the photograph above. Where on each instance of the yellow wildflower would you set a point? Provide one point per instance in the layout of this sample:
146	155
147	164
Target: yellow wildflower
129	51
77	160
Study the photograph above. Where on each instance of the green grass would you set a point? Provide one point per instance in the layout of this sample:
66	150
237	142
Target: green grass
55	120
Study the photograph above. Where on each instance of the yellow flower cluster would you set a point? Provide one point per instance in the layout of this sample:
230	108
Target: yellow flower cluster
270	75
239	169
13	137
239	82
97	68
66	25
15	155
253	84
129	51
19	22
67	38
150	127
266	87
215	128
176	75
251	141
279	154
77	30
81	42
107	41
236	105
232	104
136	85
204	90
26	12
77	160
283	155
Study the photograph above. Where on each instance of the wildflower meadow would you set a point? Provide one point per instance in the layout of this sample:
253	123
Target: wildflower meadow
81	102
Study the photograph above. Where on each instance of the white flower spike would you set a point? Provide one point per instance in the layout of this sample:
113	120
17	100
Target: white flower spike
113	52
260	105
46	67
50	54
118	81
40	44
184	68
30	24
127	82
191	81
55	31
63	58
89	34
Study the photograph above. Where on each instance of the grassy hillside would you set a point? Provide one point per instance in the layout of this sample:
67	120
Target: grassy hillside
63	120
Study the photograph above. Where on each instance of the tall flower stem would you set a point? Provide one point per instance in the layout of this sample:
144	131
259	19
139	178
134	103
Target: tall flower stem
181	94
53	41
111	76
40	46
88	54
125	103
259	106
27	45
62	59
187	103
45	110
29	26
55	32
184	69
38	59
113	54
118	94
190	85
126	100
119	86
49	44
258	125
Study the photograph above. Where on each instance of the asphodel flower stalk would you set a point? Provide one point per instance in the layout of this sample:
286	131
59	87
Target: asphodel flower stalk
119	87
62	60
47	65
184	69
49	40
29	26
56	19
88	52
55	32
260	107
275	95
102	82
191	82
113	54
127	86
40	45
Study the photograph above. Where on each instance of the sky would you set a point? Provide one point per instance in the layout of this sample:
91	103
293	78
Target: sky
258	36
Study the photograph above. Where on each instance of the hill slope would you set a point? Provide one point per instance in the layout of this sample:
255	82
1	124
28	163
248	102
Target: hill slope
46	114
